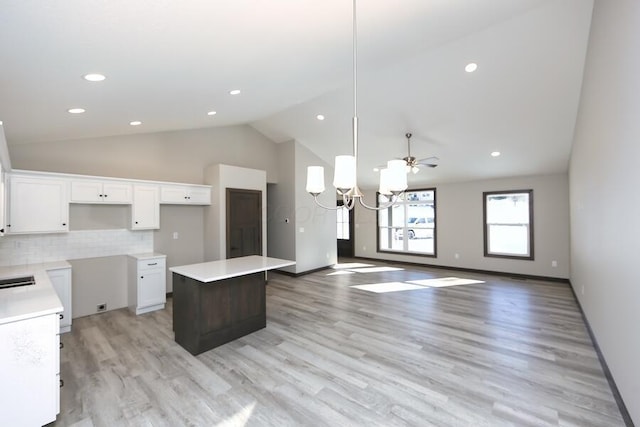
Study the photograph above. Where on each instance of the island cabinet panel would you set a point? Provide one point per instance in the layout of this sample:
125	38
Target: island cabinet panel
207	315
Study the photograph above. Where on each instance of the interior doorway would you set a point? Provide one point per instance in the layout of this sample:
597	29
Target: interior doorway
244	222
345	233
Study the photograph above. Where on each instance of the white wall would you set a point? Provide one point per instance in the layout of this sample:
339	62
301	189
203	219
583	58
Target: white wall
221	177
459	227
605	199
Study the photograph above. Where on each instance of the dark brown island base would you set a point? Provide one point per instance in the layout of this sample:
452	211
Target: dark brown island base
220	301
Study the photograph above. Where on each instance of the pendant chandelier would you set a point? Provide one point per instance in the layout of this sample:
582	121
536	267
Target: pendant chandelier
393	178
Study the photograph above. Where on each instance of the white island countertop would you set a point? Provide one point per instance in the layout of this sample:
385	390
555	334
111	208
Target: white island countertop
226	268
25	302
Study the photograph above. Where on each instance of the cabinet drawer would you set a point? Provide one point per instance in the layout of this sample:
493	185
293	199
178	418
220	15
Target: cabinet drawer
152	264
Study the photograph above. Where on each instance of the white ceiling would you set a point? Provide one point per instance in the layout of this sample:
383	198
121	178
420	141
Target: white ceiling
168	63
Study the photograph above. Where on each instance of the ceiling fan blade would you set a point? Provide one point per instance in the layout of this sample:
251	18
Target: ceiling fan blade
431	162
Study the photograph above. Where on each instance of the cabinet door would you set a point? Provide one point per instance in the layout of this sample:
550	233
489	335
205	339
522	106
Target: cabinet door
151	287
173	194
145	211
200	196
28	390
115	192
86	192
37	205
61	281
2	201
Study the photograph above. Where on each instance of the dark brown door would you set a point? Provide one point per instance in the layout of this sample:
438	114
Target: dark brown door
345	231
244	222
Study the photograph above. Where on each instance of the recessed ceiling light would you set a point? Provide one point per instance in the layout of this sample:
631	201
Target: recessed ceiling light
320	117
76	110
94	77
212	113
495	153
471	67
135	123
234	92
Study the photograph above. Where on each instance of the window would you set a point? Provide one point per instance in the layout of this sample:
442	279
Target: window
410	225
343	223
508	224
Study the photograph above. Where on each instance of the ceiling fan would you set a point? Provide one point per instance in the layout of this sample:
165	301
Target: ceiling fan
413	164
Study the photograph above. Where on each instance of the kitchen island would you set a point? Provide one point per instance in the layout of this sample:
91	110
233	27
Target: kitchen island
219	301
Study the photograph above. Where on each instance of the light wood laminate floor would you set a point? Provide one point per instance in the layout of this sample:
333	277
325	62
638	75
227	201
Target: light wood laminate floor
497	353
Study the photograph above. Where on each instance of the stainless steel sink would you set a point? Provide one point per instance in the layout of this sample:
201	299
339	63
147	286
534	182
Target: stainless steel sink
12	282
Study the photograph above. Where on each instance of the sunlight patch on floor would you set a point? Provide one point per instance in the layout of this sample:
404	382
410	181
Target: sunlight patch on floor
345	265
381	288
240	418
445	281
375	269
341	273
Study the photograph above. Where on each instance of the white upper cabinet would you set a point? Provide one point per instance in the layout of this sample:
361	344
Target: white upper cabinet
37	205
185	194
145	211
86	191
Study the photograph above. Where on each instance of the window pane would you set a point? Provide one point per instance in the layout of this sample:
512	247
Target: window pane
509	239
342	219
409	226
508	230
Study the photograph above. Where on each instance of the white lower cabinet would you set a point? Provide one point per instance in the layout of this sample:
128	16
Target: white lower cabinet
30	371
147	282
61	281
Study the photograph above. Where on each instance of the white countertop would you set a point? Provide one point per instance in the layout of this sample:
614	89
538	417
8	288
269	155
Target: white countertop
147	255
33	300
227	268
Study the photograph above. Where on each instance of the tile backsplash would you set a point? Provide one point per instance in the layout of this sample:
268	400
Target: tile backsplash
37	248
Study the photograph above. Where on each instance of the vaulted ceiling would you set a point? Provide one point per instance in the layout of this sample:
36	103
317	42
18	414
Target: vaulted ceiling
169	63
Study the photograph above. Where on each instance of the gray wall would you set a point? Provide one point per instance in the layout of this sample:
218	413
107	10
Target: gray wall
281	206
187	248
460	229
605	200
179	156
98	281
316	246
310	235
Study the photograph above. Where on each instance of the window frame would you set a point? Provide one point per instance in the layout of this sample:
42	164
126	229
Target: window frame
531	256
435	226
340	204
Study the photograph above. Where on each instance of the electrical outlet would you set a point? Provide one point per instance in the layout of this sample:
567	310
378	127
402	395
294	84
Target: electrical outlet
175	235
554	263
101	307
457	256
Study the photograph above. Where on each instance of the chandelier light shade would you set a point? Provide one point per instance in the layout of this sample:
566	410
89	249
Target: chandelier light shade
315	180
393	178
344	178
